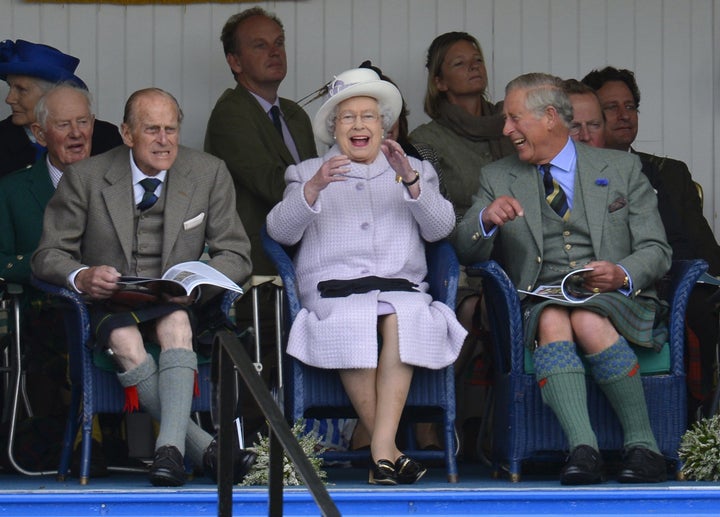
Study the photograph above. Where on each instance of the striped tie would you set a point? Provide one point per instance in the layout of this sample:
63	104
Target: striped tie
149	198
554	193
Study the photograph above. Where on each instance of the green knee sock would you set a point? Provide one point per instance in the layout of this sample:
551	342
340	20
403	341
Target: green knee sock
561	377
617	372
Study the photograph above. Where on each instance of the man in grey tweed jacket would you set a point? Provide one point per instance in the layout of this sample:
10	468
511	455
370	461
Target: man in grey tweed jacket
613	227
98	227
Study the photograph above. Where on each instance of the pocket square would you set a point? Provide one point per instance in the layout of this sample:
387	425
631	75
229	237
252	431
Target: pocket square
617	204
195	221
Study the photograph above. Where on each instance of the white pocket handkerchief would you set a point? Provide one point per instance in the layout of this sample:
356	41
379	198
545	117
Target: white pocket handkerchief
195	221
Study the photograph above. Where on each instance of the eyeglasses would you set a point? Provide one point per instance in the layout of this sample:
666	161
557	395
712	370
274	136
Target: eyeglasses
615	107
590	127
347	118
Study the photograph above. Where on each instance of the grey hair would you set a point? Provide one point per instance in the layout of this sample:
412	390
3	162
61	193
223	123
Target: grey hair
543	91
386	114
41	110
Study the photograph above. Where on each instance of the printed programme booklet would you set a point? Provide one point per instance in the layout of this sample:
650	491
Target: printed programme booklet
180	280
571	289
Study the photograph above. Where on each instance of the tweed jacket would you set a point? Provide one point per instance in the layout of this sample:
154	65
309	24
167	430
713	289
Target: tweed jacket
241	133
23	197
90	219
17	152
367	225
621	209
688	232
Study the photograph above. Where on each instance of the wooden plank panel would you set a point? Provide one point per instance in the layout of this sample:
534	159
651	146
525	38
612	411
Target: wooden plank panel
620	33
564	38
422	20
700	159
649	74
450	15
336	44
479	23
536	36
592	35
365	32
197	42
82	27
508	43
675	80
305	65
112	66
54	26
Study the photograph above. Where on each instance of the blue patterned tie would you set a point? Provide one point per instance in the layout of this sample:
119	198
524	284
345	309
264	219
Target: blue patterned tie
149	198
554	193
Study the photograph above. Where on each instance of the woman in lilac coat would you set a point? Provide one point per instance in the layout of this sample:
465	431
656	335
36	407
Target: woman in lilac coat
361	214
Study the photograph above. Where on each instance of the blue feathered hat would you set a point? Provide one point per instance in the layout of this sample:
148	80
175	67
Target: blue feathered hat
36	60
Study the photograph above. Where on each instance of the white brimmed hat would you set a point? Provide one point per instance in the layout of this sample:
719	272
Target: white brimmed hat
357	82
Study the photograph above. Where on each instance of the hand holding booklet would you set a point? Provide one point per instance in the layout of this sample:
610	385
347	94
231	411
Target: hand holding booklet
180	280
571	289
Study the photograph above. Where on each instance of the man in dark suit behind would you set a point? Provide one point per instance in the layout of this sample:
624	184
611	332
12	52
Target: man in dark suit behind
241	130
258	134
555	207
104	222
680	206
30	70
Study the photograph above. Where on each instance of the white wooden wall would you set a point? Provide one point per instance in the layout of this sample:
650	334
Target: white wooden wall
672	45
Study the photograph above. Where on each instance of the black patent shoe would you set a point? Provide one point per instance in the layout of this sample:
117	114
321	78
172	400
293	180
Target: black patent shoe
583	467
167	468
382	473
243	460
641	465
408	471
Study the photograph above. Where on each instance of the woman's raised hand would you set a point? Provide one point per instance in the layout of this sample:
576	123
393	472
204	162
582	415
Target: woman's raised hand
397	159
332	170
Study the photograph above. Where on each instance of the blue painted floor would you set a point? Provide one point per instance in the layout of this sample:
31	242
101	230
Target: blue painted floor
476	494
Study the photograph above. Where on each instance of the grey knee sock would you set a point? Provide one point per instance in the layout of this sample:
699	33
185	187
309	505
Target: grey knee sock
176	378
145	378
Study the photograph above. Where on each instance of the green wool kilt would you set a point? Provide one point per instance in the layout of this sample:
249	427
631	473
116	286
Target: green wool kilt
642	321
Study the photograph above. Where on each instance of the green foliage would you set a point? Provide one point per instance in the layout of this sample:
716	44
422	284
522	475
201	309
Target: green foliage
310	445
700	450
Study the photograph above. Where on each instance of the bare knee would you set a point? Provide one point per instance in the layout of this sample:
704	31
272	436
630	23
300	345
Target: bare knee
554	325
593	331
174	331
127	346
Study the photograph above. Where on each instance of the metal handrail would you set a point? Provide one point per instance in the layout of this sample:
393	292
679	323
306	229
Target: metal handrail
233	357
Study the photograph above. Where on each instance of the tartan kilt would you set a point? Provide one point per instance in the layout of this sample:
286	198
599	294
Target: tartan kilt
642	321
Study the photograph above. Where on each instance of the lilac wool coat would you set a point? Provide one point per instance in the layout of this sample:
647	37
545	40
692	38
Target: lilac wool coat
366	225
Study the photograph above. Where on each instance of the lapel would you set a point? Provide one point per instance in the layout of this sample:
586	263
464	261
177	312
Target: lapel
178	191
590	169
270	134
524	187
296	120
119	199
40	186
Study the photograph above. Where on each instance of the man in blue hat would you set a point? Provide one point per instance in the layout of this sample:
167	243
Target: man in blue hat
31	69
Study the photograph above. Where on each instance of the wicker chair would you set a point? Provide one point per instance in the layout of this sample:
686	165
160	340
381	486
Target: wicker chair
97	390
524	427
318	393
